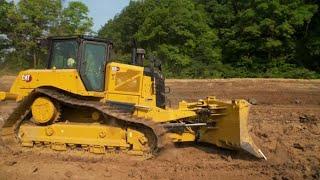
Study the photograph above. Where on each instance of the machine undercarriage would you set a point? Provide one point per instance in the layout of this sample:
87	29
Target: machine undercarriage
80	123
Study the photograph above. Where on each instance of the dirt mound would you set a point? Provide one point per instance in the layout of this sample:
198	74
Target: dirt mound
5	82
284	123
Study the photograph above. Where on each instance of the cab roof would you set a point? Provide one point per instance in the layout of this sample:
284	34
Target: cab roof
81	37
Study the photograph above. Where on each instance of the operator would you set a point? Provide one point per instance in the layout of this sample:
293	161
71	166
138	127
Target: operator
71	62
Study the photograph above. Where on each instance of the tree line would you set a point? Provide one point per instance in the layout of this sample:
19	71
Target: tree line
192	38
223	38
24	23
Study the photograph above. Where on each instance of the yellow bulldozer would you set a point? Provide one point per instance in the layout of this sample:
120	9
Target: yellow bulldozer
86	100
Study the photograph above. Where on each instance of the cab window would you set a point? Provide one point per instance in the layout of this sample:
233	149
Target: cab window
64	54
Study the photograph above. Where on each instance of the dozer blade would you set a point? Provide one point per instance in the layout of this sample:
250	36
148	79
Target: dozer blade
231	130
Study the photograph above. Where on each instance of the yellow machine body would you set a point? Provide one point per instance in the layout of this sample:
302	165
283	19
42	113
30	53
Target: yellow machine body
128	84
64	79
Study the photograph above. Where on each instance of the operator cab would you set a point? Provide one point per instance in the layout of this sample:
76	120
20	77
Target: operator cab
88	55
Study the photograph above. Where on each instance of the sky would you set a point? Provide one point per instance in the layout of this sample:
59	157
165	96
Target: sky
103	10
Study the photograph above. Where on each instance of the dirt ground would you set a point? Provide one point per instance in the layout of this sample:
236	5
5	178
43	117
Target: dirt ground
284	122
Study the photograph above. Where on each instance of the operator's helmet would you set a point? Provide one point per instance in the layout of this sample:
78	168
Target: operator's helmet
71	62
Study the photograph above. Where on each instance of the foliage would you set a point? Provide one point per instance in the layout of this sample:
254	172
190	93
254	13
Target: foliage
310	43
27	21
5	7
5	26
74	20
228	38
125	25
32	19
193	38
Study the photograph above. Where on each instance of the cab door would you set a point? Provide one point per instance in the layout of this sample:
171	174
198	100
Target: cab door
92	67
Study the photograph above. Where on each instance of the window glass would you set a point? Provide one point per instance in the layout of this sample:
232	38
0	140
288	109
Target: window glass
94	65
64	54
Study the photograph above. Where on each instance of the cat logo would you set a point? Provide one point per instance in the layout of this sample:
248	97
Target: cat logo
27	78
115	68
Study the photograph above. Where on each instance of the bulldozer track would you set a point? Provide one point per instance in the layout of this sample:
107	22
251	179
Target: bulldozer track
154	131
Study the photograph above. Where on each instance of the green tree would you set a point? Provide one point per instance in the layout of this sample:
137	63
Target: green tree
223	38
310	43
259	35
32	20
176	31
74	20
125	25
5	27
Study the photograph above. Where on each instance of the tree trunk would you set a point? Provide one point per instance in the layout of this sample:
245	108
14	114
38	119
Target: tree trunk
39	62
34	60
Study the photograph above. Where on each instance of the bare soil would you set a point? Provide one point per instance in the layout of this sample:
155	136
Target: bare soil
284	122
